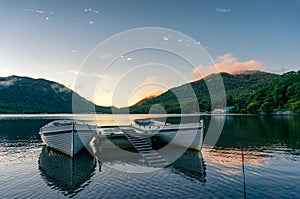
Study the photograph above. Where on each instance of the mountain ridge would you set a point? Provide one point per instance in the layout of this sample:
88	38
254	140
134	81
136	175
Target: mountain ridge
236	86
248	92
19	94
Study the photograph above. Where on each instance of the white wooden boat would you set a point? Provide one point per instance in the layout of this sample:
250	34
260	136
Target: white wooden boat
188	135
67	136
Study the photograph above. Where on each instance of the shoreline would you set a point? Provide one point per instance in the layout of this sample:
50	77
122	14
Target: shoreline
7	116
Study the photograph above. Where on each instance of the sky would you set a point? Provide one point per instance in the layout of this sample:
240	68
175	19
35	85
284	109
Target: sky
72	42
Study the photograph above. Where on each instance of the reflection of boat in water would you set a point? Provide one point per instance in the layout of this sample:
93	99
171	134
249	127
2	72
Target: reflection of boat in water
187	135
188	163
65	173
67	136
191	164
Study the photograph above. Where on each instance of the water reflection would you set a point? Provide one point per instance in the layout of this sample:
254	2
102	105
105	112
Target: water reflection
232	157
66	174
191	165
260	131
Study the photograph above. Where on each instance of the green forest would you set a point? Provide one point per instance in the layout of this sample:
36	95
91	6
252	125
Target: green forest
249	93
282	94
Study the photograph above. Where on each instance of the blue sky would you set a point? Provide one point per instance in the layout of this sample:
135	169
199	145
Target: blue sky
51	39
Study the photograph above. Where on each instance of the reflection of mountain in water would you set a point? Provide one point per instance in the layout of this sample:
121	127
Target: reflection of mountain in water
191	165
64	173
259	132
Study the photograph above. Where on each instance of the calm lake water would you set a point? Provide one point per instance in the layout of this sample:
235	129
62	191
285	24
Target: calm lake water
272	163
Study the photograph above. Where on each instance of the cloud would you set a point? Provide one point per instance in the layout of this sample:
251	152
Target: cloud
166	38
90	10
282	69
7	83
125	58
227	63
33	10
91	22
40	11
26	10
223	10
87	75
58	88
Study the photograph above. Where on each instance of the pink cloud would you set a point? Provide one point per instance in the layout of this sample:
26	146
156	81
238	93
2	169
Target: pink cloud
229	64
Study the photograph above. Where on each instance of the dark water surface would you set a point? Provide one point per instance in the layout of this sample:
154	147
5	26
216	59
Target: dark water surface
272	164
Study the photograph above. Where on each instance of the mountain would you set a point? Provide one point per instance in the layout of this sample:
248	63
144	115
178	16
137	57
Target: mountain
237	86
27	95
247	91
282	94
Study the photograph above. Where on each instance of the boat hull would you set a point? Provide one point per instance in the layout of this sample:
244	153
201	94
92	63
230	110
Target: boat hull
68	139
187	135
188	138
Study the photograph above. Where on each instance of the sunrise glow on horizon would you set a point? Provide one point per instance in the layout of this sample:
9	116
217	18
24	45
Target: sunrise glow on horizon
53	40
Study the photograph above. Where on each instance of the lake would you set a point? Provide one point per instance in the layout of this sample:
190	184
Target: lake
271	146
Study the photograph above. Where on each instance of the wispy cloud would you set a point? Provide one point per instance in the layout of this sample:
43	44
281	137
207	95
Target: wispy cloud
7	83
223	10
227	63
91	22
87	75
90	10
27	10
166	38
39	11
125	58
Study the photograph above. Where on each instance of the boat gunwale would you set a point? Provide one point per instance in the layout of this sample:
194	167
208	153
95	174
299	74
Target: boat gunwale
59	123
65	131
168	127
